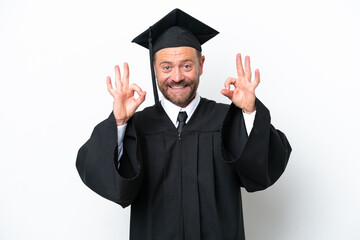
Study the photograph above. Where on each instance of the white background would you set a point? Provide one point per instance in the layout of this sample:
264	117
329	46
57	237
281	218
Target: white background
55	56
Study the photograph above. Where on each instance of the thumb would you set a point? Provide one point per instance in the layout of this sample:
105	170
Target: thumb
141	98
227	93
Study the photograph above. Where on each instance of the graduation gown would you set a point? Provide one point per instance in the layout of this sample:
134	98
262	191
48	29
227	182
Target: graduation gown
187	186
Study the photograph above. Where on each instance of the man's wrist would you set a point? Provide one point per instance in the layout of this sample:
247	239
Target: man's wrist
249	111
121	122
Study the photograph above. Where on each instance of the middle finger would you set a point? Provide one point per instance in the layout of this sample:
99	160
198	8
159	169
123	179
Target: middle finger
247	69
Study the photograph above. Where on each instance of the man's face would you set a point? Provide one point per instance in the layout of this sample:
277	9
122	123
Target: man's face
178	72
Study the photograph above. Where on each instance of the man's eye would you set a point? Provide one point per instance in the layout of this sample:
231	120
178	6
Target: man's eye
166	68
187	66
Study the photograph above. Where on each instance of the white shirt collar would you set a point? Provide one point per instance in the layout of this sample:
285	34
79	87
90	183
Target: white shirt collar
172	110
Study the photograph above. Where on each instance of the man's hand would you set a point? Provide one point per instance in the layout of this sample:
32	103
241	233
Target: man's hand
243	96
125	103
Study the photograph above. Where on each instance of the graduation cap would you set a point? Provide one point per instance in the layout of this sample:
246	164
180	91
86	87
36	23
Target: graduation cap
176	29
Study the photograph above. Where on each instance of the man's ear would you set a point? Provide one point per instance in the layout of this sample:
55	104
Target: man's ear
154	63
154	66
202	64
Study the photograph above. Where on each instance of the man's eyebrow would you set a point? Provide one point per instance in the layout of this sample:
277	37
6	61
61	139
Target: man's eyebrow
188	60
167	62
182	61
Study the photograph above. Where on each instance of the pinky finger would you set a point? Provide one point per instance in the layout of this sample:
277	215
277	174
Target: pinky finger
257	78
109	85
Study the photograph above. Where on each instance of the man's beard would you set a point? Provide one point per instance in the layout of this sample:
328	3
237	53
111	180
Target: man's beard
183	100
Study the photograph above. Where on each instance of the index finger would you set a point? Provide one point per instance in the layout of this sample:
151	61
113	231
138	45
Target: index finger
239	66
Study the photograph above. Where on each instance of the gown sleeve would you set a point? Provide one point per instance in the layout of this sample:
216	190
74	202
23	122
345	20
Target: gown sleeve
97	162
260	158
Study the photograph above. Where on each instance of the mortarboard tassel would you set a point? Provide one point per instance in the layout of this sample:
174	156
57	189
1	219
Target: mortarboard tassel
156	96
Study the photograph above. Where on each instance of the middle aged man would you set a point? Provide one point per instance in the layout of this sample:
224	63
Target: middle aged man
181	163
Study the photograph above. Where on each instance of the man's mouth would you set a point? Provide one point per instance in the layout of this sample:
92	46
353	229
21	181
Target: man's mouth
177	87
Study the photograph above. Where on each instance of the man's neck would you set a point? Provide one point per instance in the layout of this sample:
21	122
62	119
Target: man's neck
173	110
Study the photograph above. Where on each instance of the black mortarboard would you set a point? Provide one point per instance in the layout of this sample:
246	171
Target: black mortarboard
176	29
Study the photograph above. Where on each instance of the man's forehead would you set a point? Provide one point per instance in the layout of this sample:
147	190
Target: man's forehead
176	53
177	50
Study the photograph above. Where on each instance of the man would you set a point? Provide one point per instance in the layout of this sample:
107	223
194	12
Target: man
181	163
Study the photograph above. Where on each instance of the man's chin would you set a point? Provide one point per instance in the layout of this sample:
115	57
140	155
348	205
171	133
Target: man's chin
180	101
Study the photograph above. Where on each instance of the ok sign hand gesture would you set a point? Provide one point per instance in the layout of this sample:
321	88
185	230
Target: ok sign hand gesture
125	103
243	96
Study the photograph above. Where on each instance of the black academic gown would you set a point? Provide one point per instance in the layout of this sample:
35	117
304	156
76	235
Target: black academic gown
188	186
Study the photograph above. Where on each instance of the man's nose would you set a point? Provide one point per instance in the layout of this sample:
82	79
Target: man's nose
178	75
